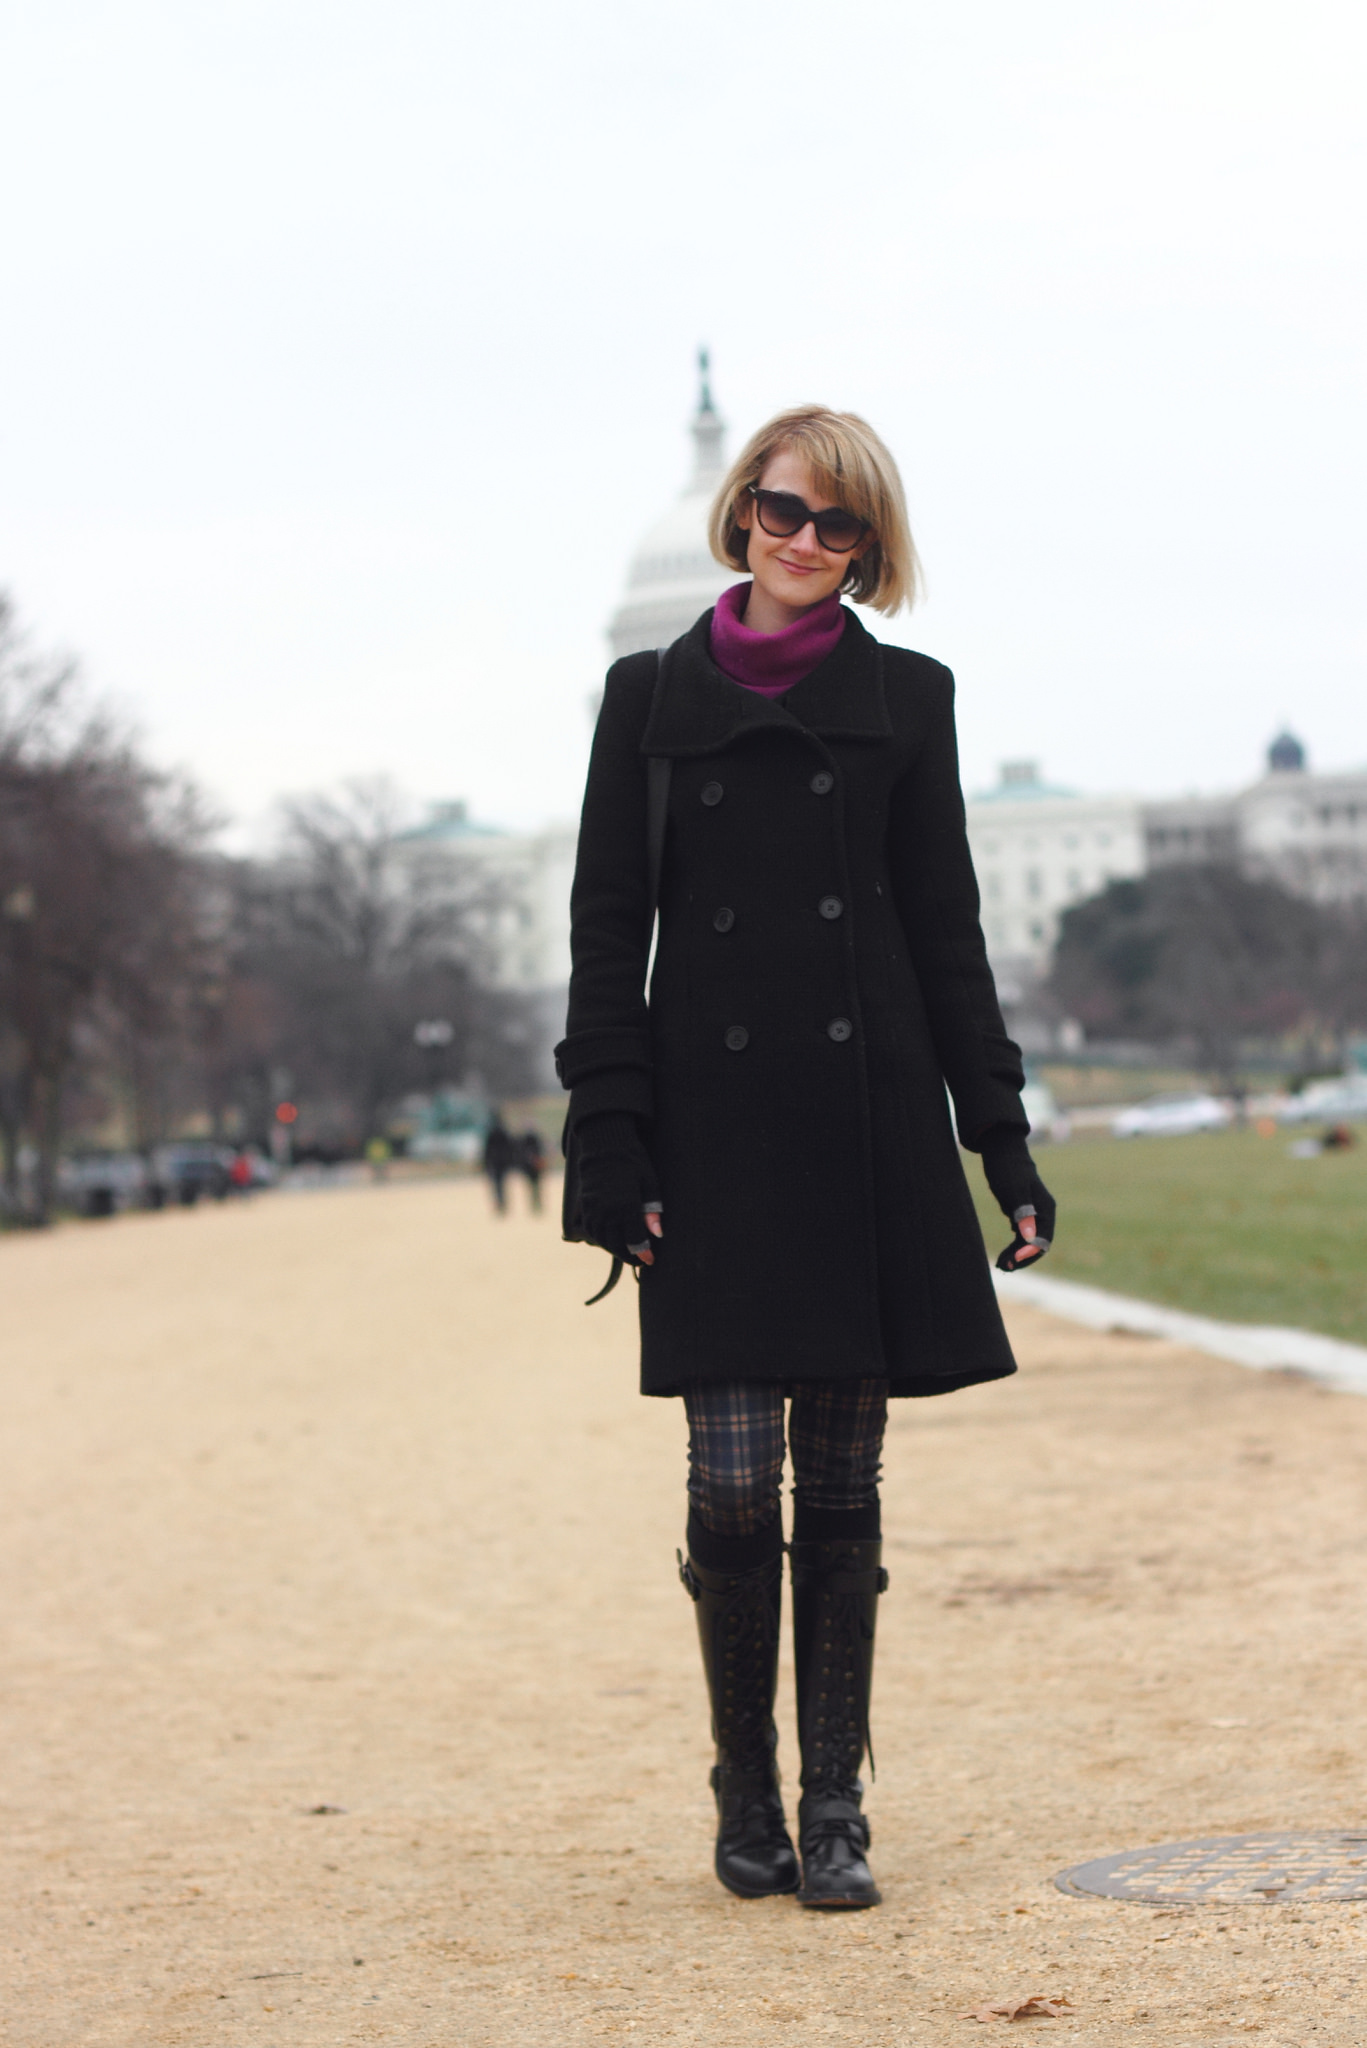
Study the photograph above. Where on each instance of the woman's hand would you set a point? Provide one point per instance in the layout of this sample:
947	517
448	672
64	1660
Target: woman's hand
653	1212
1021	1195
1025	1224
617	1187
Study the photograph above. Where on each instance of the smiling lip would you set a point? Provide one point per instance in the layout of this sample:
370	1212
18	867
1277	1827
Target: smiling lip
799	568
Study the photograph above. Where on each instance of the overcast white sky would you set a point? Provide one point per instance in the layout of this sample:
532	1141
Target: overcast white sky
346	349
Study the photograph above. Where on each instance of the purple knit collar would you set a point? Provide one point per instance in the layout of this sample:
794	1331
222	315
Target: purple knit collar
772	662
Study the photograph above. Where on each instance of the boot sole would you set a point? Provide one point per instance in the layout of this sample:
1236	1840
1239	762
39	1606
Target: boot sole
782	1891
840	1905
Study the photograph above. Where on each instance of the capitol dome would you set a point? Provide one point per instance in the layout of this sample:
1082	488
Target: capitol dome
673	576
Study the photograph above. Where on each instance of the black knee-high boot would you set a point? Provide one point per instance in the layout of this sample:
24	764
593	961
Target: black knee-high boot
738	1626
835	1604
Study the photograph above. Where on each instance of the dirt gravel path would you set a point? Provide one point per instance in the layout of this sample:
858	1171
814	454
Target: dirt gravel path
350	1696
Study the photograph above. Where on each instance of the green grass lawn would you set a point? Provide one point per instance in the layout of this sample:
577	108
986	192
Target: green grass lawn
1225	1224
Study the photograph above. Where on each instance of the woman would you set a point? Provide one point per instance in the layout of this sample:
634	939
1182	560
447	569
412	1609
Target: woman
770	1143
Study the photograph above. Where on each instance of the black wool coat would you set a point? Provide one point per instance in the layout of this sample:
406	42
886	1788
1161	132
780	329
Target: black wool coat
820	978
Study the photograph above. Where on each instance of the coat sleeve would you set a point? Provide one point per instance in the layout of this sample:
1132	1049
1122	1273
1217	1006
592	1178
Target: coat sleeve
605	1057
936	893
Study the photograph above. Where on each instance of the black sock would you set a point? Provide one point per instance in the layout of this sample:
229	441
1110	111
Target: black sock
836	1525
733	1553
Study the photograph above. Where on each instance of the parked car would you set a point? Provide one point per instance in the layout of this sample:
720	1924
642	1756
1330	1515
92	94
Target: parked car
1343	1100
1172	1116
101	1183
182	1173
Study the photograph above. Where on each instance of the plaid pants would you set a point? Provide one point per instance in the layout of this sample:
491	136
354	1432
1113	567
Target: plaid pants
735	1448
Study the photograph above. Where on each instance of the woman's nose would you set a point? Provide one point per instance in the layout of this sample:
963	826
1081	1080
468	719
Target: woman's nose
805	542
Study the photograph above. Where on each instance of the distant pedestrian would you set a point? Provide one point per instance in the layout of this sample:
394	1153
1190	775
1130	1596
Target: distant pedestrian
500	1158
531	1160
240	1174
820	981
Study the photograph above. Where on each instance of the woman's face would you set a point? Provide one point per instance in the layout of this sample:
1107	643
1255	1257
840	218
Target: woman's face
797	572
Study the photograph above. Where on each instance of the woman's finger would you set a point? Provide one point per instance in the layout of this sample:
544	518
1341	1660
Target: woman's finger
654	1228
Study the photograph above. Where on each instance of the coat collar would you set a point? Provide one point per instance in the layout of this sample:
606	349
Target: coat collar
696	709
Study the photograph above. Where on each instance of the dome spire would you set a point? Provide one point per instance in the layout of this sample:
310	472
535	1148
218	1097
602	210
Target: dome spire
708	429
1286	755
673	575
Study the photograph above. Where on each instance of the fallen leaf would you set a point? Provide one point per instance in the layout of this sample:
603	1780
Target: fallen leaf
1035	2008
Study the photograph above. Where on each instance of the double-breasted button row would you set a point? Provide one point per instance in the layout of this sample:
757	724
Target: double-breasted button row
822	783
724	919
735	1038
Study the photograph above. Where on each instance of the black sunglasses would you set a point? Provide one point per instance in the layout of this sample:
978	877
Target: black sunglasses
782	514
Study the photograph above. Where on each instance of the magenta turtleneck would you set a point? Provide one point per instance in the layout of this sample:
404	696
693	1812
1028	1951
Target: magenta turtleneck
771	663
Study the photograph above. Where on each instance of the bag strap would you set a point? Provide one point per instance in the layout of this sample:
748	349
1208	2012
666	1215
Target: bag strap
658	769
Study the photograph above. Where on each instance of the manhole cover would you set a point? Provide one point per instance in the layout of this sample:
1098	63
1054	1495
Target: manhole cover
1271	1867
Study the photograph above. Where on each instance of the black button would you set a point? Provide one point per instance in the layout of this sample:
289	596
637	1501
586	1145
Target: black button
831	906
823	782
840	1028
737	1038
712	793
723	920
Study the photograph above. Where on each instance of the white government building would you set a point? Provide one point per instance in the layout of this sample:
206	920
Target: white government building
1037	849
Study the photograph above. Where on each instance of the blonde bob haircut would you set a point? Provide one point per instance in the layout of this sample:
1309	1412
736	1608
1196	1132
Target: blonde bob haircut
849	465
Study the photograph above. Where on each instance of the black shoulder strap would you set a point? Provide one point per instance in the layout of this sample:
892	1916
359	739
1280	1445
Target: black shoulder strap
657	809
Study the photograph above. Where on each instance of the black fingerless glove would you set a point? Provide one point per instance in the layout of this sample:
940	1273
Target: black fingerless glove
616	1182
1019	1191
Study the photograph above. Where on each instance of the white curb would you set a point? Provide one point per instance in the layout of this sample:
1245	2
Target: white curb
1263	1346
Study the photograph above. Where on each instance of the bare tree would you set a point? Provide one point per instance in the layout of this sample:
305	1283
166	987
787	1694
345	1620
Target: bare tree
1210	959
35	699
135	968
346	940
39	706
98	925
